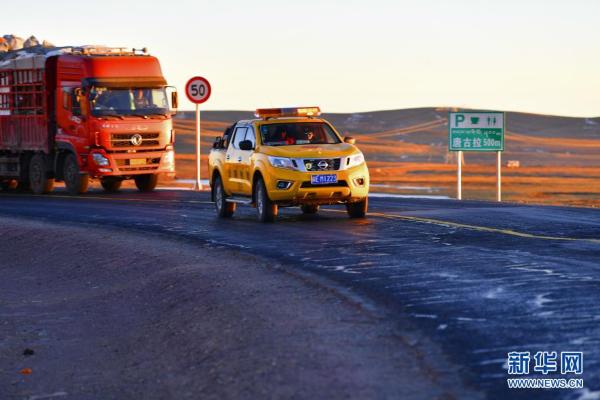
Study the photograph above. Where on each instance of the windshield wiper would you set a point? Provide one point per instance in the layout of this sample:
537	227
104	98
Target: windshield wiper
111	116
151	114
159	113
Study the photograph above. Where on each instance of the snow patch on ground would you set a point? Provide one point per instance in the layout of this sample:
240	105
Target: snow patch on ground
493	293
541	299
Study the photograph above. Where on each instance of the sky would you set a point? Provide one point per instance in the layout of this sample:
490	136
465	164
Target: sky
349	56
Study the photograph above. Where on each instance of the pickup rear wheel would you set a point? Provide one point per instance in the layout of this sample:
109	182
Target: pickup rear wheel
266	210
110	184
358	209
146	182
38	175
75	182
224	208
309	209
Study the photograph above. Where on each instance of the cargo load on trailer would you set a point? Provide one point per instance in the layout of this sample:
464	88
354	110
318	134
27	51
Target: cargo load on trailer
78	113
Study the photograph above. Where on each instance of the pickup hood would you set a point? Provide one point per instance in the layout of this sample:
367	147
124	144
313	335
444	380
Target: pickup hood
310	150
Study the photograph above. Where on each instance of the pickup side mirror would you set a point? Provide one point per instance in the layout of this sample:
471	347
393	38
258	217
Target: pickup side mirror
246	145
349	140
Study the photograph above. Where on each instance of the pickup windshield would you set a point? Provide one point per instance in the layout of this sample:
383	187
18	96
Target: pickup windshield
297	133
132	101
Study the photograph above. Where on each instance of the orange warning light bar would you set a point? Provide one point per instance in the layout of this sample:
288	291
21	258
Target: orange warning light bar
288	112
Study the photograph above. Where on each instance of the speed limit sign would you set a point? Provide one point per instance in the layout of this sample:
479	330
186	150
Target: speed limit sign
197	90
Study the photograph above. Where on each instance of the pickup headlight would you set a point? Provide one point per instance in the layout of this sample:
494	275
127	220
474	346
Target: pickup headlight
282	162
100	160
354	160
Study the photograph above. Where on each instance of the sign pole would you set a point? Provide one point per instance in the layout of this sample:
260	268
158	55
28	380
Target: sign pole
499	176
459	180
198	183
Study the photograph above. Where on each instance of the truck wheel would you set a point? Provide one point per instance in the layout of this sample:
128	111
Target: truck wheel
38	175
359	209
111	185
75	182
309	209
9	184
266	210
224	208
146	182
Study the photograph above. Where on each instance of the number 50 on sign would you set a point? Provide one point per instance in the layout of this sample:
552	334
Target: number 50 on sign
197	90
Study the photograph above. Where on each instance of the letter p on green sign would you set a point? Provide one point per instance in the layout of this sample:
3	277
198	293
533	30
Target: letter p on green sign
458	118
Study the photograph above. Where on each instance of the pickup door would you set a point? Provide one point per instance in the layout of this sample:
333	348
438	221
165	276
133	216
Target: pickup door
237	162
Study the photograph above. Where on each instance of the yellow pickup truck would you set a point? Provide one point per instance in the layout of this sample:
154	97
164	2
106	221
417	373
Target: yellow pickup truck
287	157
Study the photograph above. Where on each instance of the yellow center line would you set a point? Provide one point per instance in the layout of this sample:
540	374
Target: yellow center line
509	232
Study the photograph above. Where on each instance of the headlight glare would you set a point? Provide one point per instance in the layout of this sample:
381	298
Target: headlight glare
354	160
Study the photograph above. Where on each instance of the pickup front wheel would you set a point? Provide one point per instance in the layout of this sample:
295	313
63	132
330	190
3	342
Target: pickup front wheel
224	208
358	209
266	210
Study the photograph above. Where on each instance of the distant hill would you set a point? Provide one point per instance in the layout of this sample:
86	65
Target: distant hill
377	121
420	134
407	153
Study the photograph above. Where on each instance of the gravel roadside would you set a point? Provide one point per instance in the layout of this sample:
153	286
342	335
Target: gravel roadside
111	314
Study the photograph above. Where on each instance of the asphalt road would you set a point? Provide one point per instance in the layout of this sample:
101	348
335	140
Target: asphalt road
479	279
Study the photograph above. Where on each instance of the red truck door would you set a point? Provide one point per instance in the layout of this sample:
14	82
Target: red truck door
70	121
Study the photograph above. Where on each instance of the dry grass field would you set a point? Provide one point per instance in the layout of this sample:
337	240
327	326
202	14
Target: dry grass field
407	153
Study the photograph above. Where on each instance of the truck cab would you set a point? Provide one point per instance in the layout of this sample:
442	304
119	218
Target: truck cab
114	113
287	158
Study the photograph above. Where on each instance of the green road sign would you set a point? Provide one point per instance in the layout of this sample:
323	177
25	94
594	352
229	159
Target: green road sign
476	131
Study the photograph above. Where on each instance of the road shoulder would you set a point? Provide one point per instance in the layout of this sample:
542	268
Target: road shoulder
114	314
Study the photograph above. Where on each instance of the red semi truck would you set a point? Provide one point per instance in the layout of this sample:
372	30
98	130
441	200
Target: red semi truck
77	114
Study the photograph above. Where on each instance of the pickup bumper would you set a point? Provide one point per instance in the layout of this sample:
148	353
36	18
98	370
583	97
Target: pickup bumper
287	187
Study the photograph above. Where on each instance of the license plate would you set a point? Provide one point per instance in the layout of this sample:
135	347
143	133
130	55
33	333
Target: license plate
137	161
323	179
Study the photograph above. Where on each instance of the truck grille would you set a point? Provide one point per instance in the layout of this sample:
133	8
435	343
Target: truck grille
322	164
138	164
125	139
